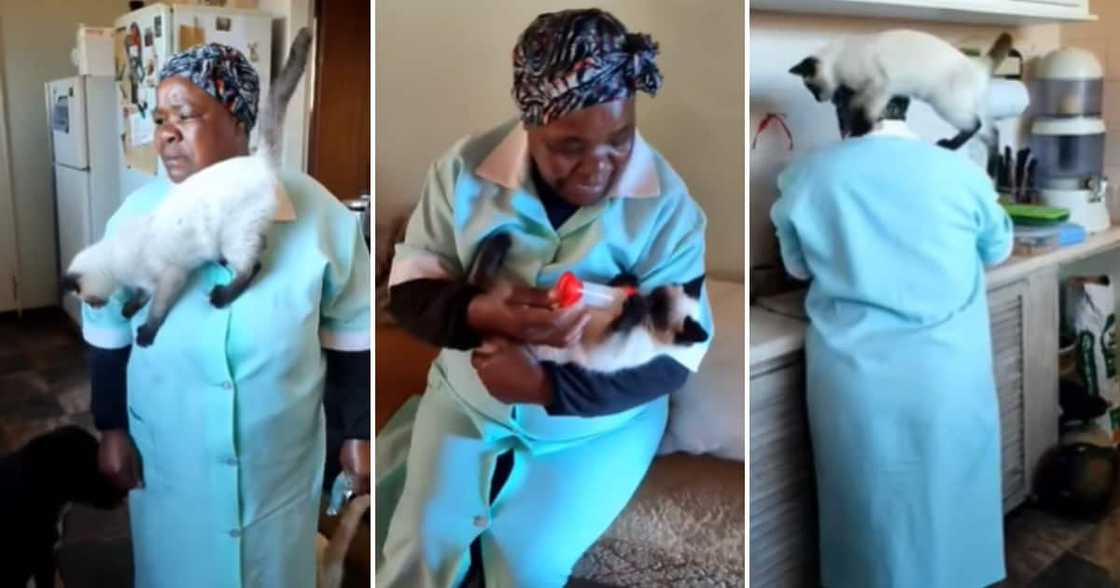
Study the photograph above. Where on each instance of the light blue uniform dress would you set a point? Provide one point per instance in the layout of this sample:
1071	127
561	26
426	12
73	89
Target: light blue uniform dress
225	407
571	475
903	413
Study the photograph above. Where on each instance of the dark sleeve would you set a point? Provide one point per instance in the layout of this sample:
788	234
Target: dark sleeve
435	311
580	392
108	375
347	396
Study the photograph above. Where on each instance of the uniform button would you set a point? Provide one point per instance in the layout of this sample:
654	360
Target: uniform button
481	522
230	461
227	385
235	533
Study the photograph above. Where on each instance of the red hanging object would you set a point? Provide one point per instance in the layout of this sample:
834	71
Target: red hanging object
765	123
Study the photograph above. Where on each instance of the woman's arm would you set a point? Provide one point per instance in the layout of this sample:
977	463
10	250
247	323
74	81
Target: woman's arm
781	214
108	393
435	310
347	396
512	375
996	234
580	392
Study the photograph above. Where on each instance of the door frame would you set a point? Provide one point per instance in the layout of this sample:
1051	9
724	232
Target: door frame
10	269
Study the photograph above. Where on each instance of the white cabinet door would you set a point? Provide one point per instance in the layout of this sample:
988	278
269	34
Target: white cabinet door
783	522
1007	306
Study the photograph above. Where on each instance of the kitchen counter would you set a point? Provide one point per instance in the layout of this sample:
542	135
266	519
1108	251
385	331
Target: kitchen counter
774	335
1019	266
777	330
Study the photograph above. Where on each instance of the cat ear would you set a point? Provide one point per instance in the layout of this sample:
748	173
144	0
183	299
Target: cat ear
634	311
691	333
692	288
807	68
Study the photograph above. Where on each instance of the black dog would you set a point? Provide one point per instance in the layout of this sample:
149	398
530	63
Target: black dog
36	482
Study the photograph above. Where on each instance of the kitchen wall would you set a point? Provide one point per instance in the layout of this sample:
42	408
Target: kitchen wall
1100	37
35	42
443	71
777	42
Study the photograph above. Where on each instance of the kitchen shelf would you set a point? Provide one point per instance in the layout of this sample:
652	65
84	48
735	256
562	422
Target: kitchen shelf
1019	266
991	12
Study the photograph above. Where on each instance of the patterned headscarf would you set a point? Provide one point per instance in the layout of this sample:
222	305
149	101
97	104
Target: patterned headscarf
222	72
570	60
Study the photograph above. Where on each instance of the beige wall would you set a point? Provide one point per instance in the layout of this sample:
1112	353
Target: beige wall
443	70
35	42
786	39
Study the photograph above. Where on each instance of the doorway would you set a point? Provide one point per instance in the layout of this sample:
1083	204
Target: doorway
338	145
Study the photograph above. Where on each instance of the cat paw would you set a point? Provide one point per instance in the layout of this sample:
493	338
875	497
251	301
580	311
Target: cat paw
145	335
219	297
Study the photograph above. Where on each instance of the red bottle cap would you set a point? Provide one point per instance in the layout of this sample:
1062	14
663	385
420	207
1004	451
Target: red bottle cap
568	291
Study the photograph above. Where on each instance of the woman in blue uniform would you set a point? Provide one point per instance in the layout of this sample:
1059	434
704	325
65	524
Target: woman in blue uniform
895	234
218	427
534	460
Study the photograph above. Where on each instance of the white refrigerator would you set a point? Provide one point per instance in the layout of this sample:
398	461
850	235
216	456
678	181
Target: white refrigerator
84	148
149	36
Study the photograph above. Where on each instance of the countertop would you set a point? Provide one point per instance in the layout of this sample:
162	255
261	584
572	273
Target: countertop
774	335
777	329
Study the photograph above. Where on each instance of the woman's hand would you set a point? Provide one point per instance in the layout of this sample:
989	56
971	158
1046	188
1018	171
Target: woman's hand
511	374
355	461
119	461
525	315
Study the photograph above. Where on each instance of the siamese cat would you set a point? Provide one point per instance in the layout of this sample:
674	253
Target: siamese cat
219	214
632	331
880	66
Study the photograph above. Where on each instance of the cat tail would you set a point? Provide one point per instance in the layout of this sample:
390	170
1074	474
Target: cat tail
334	553
998	53
279	94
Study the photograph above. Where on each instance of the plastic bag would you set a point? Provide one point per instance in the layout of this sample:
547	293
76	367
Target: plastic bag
1090	314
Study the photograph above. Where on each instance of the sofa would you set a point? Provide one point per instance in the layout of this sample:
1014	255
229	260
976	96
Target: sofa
685	525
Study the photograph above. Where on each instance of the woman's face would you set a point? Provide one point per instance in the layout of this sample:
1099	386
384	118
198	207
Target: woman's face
580	154
194	130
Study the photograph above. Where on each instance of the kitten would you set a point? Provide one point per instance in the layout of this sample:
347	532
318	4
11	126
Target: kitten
632	331
219	214
881	66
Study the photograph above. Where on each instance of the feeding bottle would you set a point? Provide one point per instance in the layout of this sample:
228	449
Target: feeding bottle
570	291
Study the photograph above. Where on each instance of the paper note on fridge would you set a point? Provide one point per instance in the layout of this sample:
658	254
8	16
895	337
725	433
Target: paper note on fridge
141	129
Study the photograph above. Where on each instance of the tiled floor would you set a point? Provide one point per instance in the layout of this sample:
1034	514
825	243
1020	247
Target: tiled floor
44	384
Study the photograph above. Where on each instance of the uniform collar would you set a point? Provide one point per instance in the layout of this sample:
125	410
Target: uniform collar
508	166
893	128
